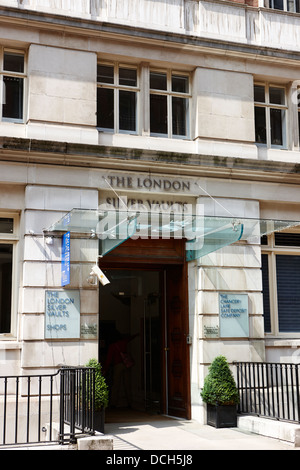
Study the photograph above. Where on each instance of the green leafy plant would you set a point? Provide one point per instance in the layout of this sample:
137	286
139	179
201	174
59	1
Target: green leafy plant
219	385
101	388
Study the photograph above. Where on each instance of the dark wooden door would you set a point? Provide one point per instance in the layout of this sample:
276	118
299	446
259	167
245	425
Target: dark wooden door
178	374
167	256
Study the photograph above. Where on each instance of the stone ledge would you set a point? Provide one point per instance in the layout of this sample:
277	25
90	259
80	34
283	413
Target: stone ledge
97	442
283	431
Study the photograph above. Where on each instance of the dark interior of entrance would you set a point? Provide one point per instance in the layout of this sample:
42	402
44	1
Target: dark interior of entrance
132	314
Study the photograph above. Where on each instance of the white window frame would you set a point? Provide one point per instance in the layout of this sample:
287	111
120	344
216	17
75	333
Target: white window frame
268	106
170	94
12	239
286	6
5	73
273	251
117	88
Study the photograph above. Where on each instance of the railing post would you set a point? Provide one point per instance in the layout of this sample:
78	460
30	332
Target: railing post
298	391
72	405
62	406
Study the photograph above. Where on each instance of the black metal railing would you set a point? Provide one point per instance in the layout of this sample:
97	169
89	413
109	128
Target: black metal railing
269	390
37	409
77	402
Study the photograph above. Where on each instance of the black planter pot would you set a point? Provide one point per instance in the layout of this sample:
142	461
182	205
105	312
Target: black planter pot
99	420
222	416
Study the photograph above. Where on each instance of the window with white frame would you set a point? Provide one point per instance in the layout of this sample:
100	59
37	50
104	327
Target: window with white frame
281	278
117	94
118	98
169	104
12	73
8	239
270	115
285	5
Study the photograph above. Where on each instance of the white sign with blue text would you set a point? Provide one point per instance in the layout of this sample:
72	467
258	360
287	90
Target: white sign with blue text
234	315
62	314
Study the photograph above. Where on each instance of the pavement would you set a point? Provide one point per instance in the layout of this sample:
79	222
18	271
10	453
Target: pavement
165	433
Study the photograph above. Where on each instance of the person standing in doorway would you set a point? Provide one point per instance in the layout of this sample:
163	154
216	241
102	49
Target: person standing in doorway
120	361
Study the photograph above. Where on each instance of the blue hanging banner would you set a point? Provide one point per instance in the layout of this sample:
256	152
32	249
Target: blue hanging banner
65	260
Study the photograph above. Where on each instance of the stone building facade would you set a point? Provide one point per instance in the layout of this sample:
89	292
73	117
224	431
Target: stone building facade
160	107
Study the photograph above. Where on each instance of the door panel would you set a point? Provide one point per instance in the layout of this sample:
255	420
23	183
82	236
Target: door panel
178	350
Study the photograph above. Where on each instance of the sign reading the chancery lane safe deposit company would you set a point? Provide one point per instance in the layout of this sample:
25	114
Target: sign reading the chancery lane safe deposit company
234	317
62	314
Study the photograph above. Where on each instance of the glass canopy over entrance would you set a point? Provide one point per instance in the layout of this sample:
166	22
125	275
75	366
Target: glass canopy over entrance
203	234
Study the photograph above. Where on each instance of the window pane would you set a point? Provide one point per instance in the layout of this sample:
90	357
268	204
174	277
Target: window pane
127	110
180	84
259	94
12	97
266	293
6	225
158	114
105	108
291	5
277	95
13	62
6	258
105	73
288	292
260	125
276	118
264	240
158	81
179	109
287	239
278	4
127	77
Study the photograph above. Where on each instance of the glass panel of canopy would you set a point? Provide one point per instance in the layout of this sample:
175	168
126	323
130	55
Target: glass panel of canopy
203	234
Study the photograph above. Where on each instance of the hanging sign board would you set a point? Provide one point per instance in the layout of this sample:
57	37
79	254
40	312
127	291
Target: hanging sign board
62	315
65	260
234	315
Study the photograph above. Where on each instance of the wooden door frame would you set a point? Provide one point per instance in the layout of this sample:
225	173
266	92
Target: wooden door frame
126	256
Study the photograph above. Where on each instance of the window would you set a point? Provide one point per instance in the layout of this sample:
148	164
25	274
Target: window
285	5
117	98
270	115
169	104
281	278
13	75
8	241
6	263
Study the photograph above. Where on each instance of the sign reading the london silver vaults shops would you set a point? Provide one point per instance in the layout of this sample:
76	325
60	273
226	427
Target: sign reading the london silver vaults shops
234	315
62	314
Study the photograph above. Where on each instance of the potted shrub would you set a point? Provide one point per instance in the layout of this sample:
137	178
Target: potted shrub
220	394
101	395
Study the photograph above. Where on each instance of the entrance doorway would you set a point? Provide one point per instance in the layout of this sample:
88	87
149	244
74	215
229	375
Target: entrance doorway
145	306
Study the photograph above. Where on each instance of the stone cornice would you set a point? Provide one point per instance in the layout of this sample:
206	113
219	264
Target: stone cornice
87	27
93	156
